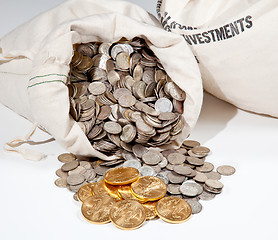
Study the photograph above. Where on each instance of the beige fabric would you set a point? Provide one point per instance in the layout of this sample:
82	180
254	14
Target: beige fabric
242	67
36	56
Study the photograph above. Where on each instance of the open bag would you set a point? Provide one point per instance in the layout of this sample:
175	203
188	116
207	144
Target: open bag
235	45
35	58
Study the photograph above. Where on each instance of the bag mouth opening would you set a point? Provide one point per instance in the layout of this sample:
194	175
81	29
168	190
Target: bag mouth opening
99	64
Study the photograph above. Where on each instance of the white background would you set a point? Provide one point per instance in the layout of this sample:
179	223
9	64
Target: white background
33	208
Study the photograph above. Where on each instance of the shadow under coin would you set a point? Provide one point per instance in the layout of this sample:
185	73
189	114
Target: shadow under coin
215	115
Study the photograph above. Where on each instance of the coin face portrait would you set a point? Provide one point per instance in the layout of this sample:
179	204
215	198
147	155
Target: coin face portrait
173	209
149	188
128	214
85	191
95	209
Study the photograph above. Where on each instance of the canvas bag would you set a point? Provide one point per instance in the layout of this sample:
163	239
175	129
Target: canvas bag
235	45
35	58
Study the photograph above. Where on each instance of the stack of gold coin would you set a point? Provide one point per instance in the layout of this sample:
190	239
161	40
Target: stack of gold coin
120	95
128	200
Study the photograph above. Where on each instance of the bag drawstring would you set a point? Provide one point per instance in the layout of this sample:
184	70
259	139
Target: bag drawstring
28	154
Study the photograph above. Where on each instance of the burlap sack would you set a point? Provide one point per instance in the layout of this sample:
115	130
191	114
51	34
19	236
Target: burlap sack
235	44
35	58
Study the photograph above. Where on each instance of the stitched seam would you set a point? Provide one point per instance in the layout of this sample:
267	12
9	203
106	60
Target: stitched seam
46	82
52	74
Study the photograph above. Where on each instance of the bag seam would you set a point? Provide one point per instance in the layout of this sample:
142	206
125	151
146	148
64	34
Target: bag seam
46	82
47	75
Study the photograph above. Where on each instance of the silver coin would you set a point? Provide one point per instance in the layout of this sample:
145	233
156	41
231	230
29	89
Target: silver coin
85	164
192	174
206	196
60	173
152	157
66	157
101	170
118	48
163	162
69	166
195	206
121	92
128	133
226	170
97	88
190	144
170	166
214	184
132	163
85	50
167	116
190	153
104	48
176	158
139	150
127	100
123	60
129	156
173	189
182	170
144	128
156	168
200	177
138	73
164	172
166	153
61	182
113	77
213	175
207	167
112	127
195	161
76	170
175	178
146	171
75	179
191	189
176	92
200	150
212	190
163	105
89	174
182	151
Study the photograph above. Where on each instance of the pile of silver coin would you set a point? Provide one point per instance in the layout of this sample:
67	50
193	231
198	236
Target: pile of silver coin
184	170
121	95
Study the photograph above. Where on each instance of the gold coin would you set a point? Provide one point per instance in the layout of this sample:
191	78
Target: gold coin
173	210
150	208
99	189
121	176
128	214
95	209
112	190
126	193
149	188
85	191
